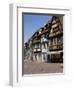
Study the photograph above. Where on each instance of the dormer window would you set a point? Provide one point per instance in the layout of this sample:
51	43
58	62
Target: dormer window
49	26
44	27
53	20
40	31
51	31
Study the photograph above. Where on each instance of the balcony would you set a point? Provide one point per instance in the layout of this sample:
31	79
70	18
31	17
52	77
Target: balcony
36	41
56	47
55	25
43	32
59	32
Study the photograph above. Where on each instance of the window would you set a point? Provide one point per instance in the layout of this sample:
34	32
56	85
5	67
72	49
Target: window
49	42
60	27
60	40
54	41
43	45
35	45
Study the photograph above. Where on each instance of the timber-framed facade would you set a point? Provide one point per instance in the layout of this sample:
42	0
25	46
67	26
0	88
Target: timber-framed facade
46	44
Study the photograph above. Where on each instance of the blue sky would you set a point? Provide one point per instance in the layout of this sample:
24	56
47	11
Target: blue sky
32	22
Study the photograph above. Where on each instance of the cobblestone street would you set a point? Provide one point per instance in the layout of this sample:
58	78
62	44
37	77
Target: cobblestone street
38	68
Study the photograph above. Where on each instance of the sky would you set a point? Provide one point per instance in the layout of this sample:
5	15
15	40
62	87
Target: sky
32	22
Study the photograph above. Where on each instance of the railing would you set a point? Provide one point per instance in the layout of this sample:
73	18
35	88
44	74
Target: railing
58	46
36	41
56	33
44	31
